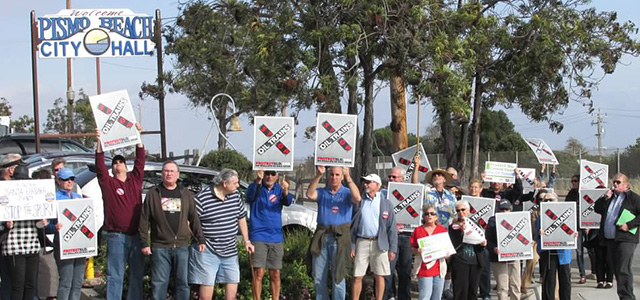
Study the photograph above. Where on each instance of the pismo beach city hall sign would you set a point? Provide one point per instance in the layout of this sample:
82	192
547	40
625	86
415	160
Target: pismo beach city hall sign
95	33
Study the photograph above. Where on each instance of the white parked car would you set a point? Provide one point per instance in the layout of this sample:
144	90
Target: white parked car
195	178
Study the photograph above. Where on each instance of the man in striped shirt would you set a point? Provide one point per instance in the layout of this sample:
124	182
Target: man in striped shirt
222	213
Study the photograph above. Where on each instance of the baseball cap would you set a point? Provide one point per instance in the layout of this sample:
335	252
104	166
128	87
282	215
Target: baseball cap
119	158
372	177
505	204
65	173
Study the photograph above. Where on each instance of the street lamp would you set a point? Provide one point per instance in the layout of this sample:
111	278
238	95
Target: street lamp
71	95
234	126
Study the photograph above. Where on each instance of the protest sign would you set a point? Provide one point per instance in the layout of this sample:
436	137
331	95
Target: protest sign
404	159
481	209
558	223
115	120
78	232
273	143
336	139
499	172
588	217
407	203
435	246
542	151
528	177
513	231
593	175
27	199
473	233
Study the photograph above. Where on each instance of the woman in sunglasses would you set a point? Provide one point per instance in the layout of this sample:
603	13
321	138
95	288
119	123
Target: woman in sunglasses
469	260
431	274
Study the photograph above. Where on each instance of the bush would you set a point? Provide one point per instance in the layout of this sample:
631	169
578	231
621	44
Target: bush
231	159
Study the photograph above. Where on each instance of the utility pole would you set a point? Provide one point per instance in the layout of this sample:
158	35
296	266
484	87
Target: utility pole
599	119
70	93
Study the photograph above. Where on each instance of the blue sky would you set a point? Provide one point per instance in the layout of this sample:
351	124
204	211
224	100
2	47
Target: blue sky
617	95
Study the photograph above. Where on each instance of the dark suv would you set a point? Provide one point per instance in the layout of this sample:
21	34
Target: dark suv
25	144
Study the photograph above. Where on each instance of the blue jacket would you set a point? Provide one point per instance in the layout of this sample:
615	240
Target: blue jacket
564	255
266	212
387	231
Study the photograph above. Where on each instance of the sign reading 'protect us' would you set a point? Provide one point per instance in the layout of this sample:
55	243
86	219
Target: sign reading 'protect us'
95	33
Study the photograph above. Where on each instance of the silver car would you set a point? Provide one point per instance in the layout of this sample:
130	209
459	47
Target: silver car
195	179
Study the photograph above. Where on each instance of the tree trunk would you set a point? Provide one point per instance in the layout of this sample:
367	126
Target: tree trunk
448	136
352	105
398	112
367	136
477	109
331	97
462	153
222	124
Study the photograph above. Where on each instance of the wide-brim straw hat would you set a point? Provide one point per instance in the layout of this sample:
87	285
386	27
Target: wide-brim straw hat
447	176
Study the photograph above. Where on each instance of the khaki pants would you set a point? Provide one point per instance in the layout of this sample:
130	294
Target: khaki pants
507	275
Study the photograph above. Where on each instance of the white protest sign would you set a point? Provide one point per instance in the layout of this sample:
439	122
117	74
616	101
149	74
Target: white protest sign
588	217
407	203
273	143
481	209
78	232
499	172
336	139
542	151
528	177
514	238
27	199
435	246
473	234
115	120
404	159
558	223
593	175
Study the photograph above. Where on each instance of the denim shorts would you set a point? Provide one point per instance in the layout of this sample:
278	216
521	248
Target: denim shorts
208	268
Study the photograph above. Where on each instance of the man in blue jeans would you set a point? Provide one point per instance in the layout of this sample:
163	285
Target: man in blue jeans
331	243
122	198
169	211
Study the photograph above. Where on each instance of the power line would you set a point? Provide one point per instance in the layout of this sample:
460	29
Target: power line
129	67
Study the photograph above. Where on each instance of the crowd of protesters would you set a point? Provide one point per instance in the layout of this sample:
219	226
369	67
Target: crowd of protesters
192	239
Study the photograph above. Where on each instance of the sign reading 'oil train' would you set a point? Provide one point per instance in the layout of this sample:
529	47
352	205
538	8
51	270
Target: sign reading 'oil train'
95	33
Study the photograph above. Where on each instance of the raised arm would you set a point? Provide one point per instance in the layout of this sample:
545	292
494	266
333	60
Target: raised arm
355	192
312	190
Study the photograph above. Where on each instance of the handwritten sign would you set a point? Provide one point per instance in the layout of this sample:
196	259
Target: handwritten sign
78	234
273	143
499	172
336	139
115	120
27	200
515	241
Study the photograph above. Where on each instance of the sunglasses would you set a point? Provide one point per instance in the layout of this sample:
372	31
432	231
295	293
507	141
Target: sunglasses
461	209
574	180
57	169
270	173
617	182
429	214
69	179
393	176
366	181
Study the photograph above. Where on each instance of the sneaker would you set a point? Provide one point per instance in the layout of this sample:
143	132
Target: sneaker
600	285
447	295
608	285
